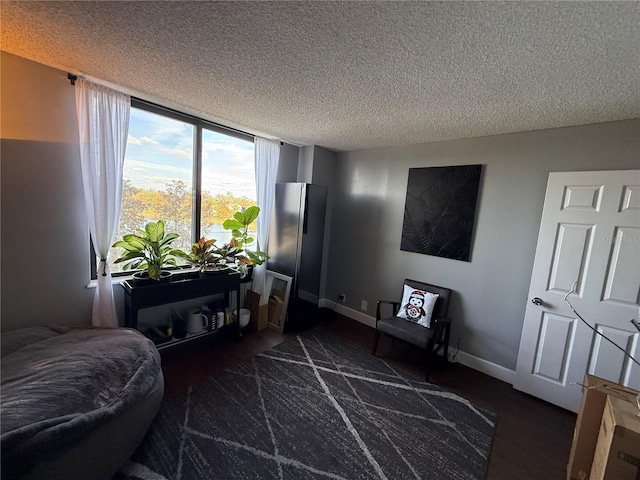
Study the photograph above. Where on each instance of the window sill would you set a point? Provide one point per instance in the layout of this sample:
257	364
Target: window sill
114	281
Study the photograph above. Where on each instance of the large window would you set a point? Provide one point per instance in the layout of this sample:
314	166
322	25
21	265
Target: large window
190	173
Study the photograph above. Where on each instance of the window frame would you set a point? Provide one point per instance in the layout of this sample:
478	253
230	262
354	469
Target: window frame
199	124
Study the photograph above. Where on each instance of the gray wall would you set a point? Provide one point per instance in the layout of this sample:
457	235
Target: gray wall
45	237
288	163
324	173
365	260
45	265
305	164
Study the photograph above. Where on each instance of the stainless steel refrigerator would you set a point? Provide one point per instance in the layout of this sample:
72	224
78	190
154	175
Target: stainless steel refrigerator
295	245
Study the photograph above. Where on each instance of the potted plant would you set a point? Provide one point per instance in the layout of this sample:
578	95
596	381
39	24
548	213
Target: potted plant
239	226
149	250
208	257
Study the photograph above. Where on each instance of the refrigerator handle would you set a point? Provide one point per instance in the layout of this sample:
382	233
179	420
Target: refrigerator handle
306	210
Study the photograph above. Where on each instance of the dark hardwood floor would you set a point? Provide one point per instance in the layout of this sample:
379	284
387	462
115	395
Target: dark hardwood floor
532	438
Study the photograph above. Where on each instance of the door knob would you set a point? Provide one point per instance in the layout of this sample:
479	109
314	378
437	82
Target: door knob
536	301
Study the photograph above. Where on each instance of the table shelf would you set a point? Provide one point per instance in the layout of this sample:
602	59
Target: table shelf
183	286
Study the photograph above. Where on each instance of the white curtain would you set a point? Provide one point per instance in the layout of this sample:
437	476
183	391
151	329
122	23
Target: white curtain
103	126
267	157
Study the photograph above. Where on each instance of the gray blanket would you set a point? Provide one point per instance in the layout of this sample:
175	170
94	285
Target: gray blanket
60	383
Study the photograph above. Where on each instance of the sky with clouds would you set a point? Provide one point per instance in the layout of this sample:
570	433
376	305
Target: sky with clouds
161	149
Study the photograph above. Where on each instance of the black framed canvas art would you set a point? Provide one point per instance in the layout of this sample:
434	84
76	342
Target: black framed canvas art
440	210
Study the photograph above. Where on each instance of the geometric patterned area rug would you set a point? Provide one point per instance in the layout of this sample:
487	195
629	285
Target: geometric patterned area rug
314	407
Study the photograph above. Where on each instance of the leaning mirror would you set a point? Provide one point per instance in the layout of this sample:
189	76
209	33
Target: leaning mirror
278	287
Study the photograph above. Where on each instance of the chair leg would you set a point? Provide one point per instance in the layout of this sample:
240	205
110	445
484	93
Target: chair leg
376	336
447	334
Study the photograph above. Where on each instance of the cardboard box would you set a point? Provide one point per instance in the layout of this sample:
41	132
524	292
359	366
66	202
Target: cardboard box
617	455
276	311
259	309
585	436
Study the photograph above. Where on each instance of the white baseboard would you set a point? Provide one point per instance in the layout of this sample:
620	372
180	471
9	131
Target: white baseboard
309	297
324	303
356	315
492	369
485	366
348	312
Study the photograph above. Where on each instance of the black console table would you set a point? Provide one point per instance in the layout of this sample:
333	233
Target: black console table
183	286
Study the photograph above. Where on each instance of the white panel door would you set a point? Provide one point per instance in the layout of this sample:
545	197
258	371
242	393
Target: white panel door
589	235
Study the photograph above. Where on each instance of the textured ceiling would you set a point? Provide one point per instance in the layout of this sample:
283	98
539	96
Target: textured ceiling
351	75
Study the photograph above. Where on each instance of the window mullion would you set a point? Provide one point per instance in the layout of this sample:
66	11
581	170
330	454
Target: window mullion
197	182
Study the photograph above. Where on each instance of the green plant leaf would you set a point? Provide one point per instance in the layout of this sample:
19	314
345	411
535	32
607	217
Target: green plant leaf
257	257
250	215
132	265
135	241
125	245
231	224
168	239
129	256
155	231
180	254
154	272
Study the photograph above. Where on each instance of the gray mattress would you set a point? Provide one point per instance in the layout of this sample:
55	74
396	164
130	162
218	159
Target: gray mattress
70	390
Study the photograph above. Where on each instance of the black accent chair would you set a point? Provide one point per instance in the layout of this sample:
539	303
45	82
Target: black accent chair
432	339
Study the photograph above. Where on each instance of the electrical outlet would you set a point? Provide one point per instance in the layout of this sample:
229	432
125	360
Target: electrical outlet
363	305
342	297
